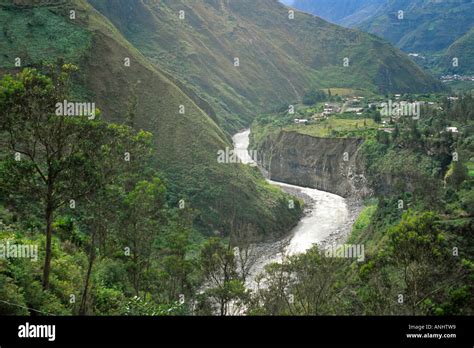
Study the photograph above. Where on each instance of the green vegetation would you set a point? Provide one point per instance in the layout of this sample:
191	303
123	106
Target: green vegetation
460	87
346	125
313	97
40	36
199	53
363	222
85	194
437	31
67	158
62	175
335	127
415	274
416	231
346	92
426	26
185	146
463	50
126	211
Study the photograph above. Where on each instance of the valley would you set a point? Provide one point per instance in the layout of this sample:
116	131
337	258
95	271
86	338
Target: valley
327	220
236	157
199	53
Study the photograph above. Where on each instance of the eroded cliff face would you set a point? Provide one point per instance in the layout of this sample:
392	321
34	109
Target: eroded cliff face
328	164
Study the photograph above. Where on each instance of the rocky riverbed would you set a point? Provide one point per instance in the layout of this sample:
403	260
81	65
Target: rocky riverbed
327	220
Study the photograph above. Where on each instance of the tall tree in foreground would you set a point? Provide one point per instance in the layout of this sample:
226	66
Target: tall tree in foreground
55	159
223	284
141	219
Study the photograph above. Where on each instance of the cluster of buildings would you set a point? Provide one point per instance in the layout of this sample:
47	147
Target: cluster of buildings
394	109
300	121
330	109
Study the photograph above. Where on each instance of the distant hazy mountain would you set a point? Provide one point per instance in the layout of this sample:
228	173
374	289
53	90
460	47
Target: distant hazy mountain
340	11
439	30
425	26
433	28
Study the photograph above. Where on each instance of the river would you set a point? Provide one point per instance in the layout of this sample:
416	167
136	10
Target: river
327	219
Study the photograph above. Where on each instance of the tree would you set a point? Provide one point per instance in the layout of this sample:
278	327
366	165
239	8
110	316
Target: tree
376	116
467	201
142	218
55	159
417	271
456	174
100	214
175	266
245	239
314	96
305	284
219	269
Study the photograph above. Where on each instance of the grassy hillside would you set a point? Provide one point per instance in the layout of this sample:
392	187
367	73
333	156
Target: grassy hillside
280	58
463	49
186	144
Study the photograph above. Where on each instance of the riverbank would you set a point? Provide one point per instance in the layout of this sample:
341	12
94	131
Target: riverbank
328	219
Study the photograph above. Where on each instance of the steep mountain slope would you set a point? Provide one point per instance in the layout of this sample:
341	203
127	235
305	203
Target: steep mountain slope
279	58
463	49
186	144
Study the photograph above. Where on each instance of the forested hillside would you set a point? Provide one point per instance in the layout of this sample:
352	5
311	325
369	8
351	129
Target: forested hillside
177	165
186	143
416	227
463	50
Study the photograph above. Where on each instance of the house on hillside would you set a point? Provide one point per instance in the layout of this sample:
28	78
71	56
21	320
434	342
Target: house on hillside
452	129
300	121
